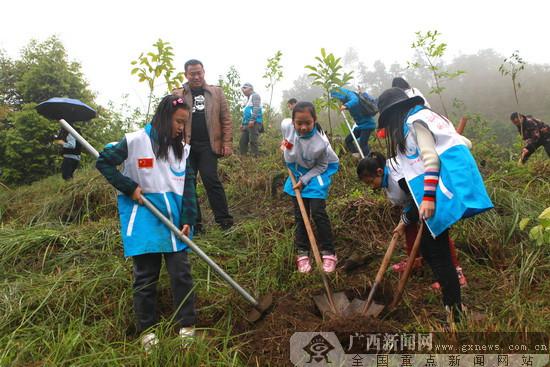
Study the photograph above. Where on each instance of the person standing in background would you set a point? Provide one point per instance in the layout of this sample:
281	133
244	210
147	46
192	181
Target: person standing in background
71	150
251	125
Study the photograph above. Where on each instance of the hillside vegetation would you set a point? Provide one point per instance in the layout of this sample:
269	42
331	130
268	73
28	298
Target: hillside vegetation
65	291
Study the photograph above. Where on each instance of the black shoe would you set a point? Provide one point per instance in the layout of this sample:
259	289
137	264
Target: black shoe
226	225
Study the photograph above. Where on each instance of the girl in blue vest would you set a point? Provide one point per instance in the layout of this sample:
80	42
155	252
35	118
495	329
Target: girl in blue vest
379	173
311	159
442	176
155	165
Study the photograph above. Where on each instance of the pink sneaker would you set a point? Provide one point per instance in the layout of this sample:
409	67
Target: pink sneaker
303	264
461	280
329	263
400	266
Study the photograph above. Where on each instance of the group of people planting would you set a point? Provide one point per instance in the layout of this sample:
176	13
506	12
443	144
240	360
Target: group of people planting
430	173
428	170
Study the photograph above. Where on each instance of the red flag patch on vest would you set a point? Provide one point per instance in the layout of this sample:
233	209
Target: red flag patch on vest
145	162
286	145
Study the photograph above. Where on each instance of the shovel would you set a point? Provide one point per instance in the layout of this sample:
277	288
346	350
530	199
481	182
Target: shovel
51	109
368	308
353	135
334	304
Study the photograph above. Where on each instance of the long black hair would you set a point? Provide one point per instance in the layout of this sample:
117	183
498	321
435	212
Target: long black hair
368	166
162	126
395	137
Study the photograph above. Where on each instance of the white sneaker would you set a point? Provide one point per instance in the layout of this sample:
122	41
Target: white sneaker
187	334
149	341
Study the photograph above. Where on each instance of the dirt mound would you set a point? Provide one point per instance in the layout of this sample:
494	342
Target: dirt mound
268	342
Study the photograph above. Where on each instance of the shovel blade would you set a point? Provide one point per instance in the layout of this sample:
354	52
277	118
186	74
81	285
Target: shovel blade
357	306
341	303
264	304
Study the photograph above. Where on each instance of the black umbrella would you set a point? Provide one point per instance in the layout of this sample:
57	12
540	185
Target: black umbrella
68	109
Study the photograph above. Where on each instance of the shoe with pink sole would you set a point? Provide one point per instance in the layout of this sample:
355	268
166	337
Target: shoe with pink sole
461	280
302	262
400	266
329	263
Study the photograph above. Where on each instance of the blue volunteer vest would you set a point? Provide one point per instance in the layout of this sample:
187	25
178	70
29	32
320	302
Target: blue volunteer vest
460	191
162	183
247	112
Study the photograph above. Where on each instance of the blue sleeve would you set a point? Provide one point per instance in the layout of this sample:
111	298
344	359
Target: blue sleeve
107	163
353	100
189	199
70	142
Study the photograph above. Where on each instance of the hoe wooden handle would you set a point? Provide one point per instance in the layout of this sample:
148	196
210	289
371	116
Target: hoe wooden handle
381	271
408	269
313	242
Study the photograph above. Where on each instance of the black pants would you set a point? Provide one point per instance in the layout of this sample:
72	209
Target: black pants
68	166
362	137
438	255
146	275
545	142
317	208
205	162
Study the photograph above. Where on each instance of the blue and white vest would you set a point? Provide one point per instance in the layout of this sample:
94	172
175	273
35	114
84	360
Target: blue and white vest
460	191
304	155
162	182
247	112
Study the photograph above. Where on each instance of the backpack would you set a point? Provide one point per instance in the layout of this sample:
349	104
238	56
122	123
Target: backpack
367	105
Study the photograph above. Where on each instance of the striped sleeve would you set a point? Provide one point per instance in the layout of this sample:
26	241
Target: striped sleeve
426	145
431	178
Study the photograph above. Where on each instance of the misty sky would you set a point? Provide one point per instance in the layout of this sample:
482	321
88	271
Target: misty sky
104	36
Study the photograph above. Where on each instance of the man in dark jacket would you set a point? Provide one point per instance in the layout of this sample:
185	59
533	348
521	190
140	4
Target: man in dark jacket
534	133
209	131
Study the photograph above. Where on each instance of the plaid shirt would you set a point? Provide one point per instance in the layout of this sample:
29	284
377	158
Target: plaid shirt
115	155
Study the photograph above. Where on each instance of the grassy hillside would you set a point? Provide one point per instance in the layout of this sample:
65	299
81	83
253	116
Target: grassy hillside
65	288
